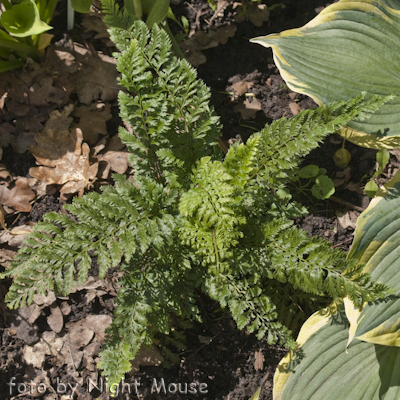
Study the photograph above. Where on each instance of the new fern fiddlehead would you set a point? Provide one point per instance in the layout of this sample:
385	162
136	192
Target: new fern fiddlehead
192	220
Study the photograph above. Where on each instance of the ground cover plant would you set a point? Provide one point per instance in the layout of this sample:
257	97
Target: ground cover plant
350	351
192	219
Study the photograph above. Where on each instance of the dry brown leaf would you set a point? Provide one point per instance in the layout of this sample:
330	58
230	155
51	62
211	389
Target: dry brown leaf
49	344
43	92
17	195
65	308
16	236
97	323
146	358
241	87
294	108
4	174
55	319
64	158
348	219
24	330
79	336
117	161
97	77
355	187
248	108
91	283
5	257
93	22
61	60
192	48
259	361
92	120
44	300
256	13
224	33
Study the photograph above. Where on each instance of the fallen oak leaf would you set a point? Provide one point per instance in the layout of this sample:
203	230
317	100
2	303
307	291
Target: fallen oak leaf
63	157
17	195
72	170
93	120
248	109
16	236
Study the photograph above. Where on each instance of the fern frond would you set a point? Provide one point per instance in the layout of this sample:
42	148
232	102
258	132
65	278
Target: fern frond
250	307
114	17
211	225
122	221
167	106
286	141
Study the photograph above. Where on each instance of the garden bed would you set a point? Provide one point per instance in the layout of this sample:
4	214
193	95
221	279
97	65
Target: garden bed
247	93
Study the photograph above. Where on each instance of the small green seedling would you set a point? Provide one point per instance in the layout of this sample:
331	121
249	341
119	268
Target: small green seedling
323	186
382	158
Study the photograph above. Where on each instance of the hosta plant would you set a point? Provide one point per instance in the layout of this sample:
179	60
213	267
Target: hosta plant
190	220
22	31
351	46
350	352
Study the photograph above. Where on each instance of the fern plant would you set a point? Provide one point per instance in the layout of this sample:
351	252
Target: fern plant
192	219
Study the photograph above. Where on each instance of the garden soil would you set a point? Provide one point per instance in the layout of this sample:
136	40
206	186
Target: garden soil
52	346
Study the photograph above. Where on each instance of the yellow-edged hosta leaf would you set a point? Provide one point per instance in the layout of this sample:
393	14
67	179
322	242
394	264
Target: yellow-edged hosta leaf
355	353
377	243
325	370
377	235
352	315
380	323
350	47
311	326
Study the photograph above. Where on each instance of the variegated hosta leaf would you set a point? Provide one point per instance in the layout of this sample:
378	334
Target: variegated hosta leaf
350	47
356	354
377	243
324	369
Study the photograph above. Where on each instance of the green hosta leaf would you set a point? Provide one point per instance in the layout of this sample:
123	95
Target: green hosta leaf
350	47
324	369
23	20
82	6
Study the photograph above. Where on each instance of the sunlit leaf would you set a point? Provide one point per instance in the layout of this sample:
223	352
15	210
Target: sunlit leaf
350	47
23	20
